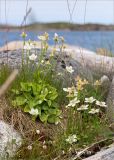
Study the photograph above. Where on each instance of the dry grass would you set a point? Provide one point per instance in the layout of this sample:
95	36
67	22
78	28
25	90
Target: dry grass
104	52
24	124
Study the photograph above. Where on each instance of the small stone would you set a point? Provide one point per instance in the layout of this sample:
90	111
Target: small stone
104	80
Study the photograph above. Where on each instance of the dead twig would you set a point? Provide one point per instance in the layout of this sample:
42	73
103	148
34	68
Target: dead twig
8	82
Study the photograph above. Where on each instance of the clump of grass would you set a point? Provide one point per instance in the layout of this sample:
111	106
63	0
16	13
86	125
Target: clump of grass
81	106
104	52
5	70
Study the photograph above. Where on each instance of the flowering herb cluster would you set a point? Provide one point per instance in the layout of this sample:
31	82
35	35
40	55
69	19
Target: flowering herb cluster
37	97
90	104
85	108
79	117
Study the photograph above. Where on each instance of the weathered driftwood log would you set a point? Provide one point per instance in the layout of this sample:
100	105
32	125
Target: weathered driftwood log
107	154
8	82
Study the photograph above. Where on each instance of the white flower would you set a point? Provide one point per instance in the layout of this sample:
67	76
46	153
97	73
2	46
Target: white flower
82	108
93	111
29	147
48	63
33	57
44	147
28	46
69	69
75	93
42	61
59	74
42	38
57	122
63	152
90	100
73	102
44	142
34	112
56	37
102	104
38	131
67	89
71	139
62	39
71	90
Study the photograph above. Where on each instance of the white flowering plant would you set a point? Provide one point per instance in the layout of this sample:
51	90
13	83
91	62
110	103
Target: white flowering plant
85	108
78	108
39	100
37	96
71	139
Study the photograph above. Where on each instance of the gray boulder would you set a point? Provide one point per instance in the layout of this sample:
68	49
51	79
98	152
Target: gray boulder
107	154
105	81
110	102
13	59
10	140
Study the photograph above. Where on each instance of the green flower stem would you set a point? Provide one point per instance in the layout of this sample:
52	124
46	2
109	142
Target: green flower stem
23	53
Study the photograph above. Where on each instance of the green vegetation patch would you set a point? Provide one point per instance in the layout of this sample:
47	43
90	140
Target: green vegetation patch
56	121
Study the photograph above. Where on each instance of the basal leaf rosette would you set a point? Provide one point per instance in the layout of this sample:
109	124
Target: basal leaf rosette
39	100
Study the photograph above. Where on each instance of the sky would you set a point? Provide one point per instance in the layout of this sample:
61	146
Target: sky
97	11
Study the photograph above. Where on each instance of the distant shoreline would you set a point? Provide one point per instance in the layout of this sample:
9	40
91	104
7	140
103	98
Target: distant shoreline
59	26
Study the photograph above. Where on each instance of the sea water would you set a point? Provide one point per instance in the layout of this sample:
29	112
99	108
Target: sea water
91	40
